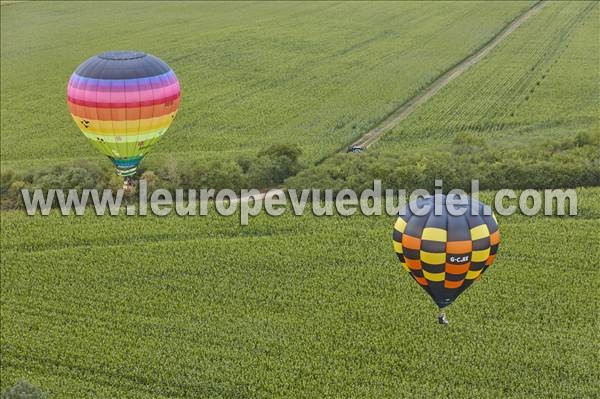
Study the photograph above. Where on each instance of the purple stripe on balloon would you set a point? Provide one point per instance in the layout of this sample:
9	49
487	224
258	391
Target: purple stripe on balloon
148	83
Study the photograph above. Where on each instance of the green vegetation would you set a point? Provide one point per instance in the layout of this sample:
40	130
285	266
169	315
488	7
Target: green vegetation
541	82
172	307
152	307
23	390
269	168
519	164
252	75
525	116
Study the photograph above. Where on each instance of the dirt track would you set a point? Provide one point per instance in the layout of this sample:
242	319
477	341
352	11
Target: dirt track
405	110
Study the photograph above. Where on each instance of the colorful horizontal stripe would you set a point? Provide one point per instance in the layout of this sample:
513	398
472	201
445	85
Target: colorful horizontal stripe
119	93
130	138
152	82
128	98
127	166
124	127
116	113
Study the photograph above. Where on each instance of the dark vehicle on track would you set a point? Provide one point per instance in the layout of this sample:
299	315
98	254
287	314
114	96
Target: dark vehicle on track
356	149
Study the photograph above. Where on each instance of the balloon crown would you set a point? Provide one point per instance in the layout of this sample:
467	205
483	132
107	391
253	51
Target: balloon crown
122	55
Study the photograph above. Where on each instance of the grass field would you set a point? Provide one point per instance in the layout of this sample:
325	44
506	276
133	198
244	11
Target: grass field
535	90
302	307
541	82
297	307
315	74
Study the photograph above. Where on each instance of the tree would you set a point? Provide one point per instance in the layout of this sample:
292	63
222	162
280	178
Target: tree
23	390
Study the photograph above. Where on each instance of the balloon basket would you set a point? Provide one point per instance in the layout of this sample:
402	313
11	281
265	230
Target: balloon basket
128	184
442	319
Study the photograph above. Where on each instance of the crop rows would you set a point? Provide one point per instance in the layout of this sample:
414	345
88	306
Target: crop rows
542	78
315	74
157	307
290	306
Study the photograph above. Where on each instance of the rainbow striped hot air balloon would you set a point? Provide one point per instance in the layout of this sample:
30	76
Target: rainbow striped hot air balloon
123	101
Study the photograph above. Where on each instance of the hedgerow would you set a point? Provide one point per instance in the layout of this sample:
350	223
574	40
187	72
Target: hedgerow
269	168
550	163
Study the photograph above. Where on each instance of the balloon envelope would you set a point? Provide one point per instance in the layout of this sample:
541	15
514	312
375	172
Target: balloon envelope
123	102
443	251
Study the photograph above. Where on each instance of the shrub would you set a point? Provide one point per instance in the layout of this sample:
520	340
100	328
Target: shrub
273	165
6	179
23	390
217	175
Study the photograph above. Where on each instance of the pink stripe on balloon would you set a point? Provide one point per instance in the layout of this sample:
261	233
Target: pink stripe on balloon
121	96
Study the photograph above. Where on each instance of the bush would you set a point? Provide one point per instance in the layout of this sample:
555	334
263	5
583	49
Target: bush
273	165
6	179
292	152
23	390
217	175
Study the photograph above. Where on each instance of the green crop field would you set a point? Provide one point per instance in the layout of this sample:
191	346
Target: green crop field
306	306
520	106
318	75
292	307
542	82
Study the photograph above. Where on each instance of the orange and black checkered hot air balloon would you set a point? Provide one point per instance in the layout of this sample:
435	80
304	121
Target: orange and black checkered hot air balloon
446	245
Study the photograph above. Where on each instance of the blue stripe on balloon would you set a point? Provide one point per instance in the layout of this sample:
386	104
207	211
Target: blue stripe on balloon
78	81
125	163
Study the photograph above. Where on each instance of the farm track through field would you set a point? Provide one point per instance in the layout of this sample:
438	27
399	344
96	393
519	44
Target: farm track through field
412	104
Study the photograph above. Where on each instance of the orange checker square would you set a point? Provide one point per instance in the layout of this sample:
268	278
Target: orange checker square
421	280
453	284
495	237
414	264
490	260
459	247
411	242
457	269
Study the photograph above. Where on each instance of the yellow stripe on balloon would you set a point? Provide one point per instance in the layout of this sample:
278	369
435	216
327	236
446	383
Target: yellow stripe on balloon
433	258
473	274
480	231
397	247
400	225
434	276
434	234
116	128
129	138
480	256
